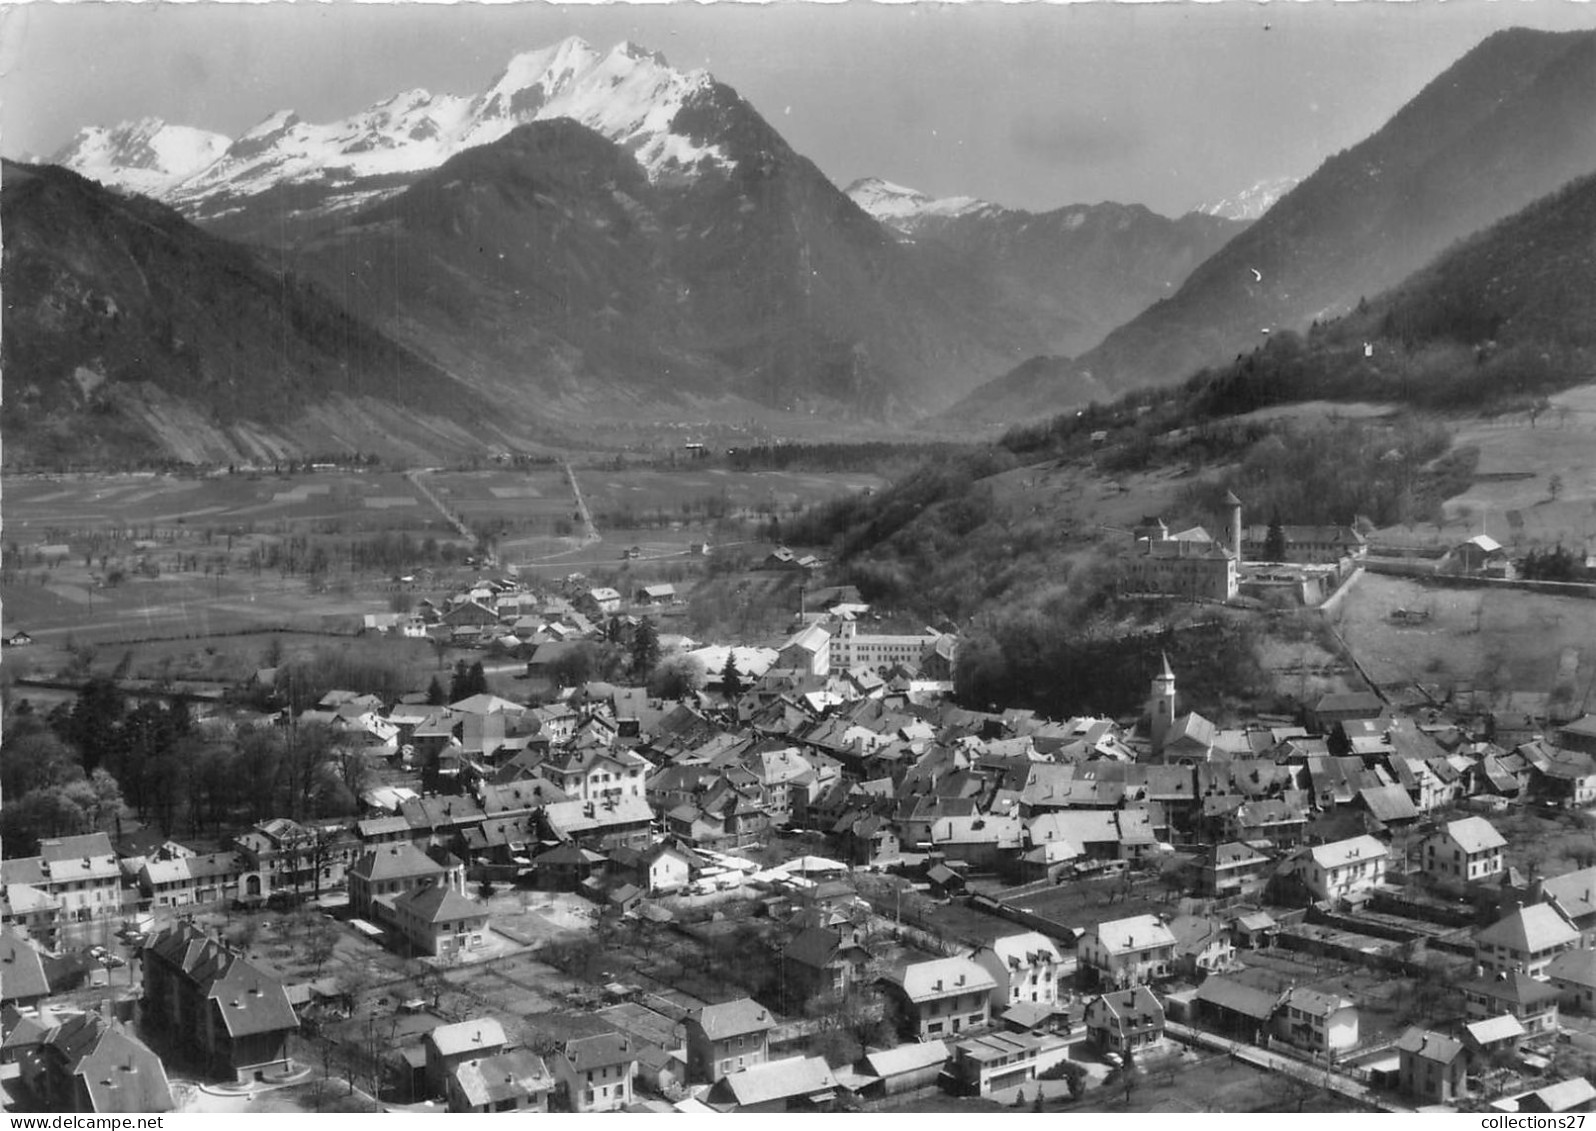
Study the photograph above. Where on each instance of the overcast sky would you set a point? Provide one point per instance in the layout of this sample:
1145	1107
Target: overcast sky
1031	105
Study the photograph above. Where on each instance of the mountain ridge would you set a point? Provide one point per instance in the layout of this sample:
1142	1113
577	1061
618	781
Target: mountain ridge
131	334
1513	119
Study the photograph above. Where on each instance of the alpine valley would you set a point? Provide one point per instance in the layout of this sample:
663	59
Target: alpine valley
594	238
597	241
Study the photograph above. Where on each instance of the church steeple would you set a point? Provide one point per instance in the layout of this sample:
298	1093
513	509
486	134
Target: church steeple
1161	706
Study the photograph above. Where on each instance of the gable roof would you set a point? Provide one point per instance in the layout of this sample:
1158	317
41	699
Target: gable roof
21	969
1348	851
1238	997
504	1076
1137	1001
1503	1027
1474	834
733	1018
774	1080
1388	803
598	1051
1429	1045
119	1072
1575	966
248	1000
483	1034
941	977
906	1058
1138	932
1028	948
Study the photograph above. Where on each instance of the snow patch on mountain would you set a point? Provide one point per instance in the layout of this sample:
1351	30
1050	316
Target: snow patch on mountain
146	156
898	206
1251	203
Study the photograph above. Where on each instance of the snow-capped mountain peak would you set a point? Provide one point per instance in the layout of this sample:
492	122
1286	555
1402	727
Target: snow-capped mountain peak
1251	203
145	156
629	94
902	207
530	77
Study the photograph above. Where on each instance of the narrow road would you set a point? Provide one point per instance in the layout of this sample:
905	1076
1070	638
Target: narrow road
590	532
414	475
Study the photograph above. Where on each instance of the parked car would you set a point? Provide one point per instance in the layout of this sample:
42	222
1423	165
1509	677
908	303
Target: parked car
1113	1060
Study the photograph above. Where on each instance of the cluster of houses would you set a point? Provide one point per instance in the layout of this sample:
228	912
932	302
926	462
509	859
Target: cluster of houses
1281	831
506	613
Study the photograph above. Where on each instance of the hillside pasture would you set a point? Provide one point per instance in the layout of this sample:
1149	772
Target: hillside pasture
1514	497
1088	501
1491	641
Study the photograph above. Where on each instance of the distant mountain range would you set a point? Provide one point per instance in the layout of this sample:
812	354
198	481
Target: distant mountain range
1511	121
597	234
1066	277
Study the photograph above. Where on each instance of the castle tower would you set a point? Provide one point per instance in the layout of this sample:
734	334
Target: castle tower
1161	706
1235	524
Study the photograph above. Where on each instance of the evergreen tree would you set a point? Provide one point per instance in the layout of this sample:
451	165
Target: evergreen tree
460	682
1275	541
645	649
436	695
476	680
730	678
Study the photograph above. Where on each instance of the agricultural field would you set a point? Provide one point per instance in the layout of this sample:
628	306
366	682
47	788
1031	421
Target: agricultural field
649	516
1491	641
71	508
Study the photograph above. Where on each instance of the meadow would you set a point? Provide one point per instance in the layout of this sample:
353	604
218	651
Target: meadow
60	508
1491	641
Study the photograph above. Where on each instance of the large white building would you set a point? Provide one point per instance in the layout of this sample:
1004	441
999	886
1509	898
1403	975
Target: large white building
851	648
